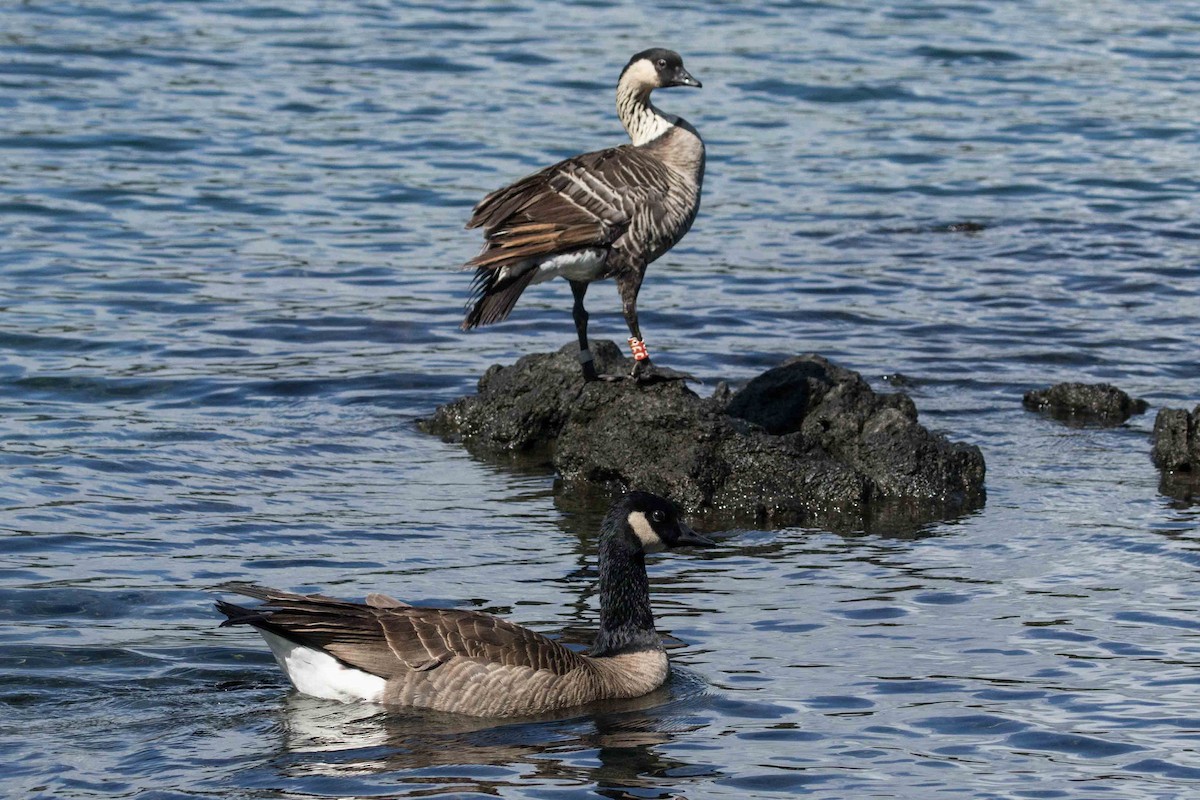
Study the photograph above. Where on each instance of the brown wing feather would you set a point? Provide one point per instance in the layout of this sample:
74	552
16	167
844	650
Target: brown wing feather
391	641
583	203
380	600
424	638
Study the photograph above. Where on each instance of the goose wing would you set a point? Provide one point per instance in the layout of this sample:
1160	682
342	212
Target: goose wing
583	202
390	641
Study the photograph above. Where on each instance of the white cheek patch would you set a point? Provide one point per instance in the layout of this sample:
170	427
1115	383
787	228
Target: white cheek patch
643	72
642	529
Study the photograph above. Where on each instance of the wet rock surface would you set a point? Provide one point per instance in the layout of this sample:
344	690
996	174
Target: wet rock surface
807	442
1086	403
1177	440
1176	451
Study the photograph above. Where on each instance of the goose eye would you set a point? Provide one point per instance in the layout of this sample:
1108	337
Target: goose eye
661	63
658	516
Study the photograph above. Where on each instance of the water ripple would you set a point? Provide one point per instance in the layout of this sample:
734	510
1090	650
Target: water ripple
230	289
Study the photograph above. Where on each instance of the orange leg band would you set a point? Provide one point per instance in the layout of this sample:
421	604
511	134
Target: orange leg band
638	346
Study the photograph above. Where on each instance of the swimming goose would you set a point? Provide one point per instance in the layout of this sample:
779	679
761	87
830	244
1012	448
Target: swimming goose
473	663
606	214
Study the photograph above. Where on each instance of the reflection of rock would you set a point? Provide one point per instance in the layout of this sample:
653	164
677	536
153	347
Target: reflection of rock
805	442
1094	403
1176	451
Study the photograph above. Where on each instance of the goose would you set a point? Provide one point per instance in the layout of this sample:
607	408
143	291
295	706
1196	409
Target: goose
468	662
605	214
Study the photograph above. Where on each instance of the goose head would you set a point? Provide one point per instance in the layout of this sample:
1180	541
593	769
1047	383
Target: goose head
647	523
656	68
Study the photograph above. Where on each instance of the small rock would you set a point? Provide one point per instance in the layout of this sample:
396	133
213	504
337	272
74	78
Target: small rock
1094	403
899	380
807	442
1177	440
1176	452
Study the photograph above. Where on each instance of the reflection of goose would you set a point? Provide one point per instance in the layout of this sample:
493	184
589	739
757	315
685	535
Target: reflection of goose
468	662
351	741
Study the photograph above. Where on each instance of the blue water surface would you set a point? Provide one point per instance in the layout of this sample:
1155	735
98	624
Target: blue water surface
229	235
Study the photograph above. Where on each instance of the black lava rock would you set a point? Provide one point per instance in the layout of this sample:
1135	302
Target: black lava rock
1177	440
1088	403
1176	452
807	442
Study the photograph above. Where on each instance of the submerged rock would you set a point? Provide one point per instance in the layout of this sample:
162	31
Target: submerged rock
807	442
1091	403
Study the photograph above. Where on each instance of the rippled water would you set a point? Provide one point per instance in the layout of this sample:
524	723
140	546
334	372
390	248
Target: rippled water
227	277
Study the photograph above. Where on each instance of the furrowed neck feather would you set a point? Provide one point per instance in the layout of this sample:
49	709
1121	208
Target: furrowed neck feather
626	622
641	119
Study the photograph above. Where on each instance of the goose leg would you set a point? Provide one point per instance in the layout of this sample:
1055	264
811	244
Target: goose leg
643	370
579	289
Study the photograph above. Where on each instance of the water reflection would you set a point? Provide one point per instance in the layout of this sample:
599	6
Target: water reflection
617	744
1182	489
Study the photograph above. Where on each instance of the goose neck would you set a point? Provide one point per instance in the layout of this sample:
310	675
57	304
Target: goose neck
626	622
643	122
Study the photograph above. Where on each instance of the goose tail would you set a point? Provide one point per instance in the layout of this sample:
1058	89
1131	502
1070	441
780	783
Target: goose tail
312	670
492	298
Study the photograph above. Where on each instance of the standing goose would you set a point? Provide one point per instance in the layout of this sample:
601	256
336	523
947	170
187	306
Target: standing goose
469	662
606	214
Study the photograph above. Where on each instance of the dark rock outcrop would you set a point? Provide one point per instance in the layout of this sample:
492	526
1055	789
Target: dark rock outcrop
1176	452
1087	403
807	442
1177	440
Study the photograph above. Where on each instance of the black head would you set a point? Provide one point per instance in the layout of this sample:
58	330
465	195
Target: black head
651	524
658	68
